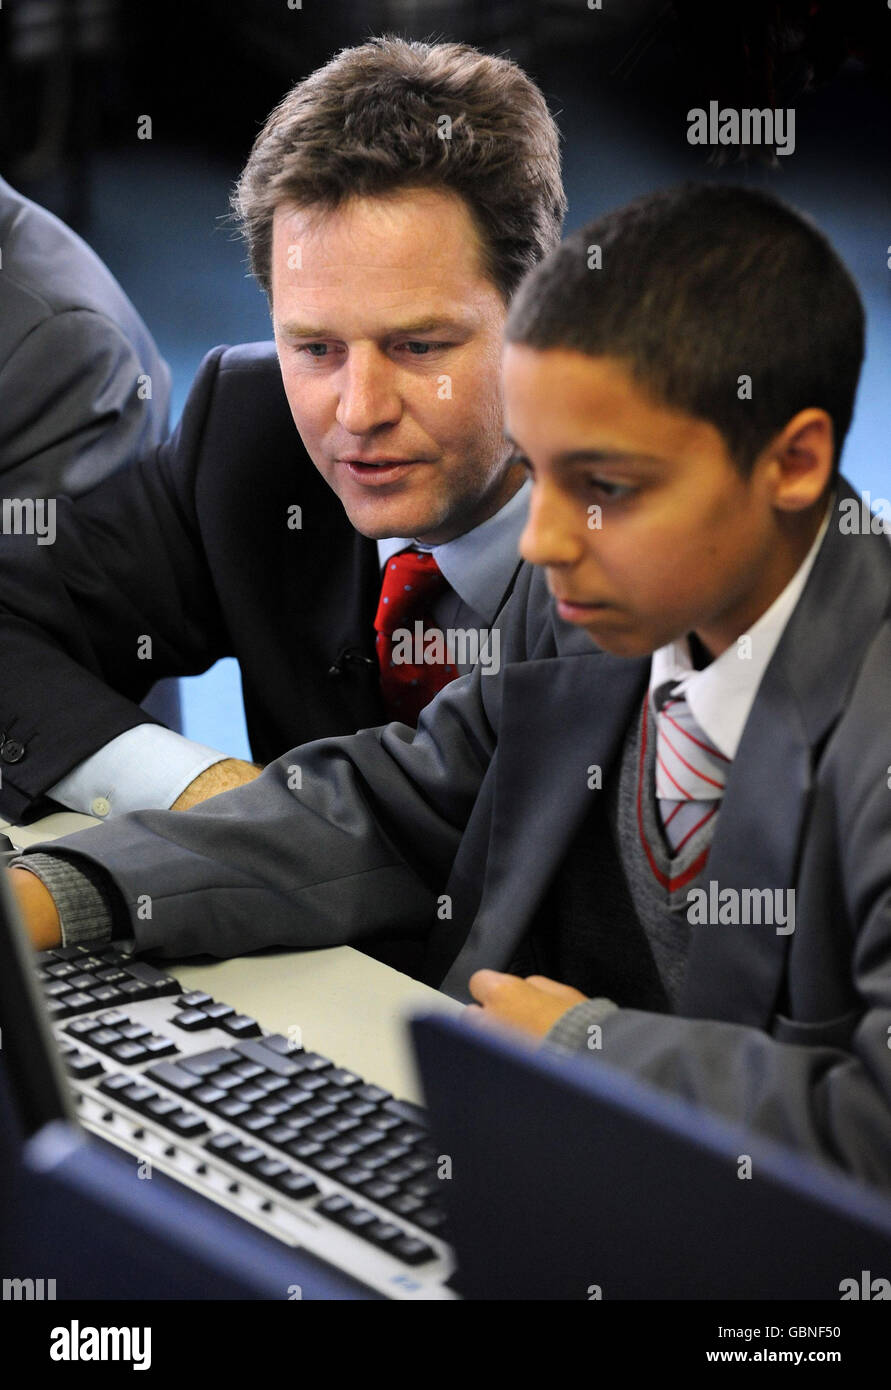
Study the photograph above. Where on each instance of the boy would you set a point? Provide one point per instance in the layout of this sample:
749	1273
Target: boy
679	834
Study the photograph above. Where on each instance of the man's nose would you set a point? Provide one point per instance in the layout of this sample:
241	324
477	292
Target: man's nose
368	392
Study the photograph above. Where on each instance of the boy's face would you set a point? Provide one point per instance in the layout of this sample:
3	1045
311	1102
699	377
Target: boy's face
681	541
389	336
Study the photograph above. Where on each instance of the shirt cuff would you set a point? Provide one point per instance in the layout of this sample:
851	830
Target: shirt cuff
144	768
574	1030
84	910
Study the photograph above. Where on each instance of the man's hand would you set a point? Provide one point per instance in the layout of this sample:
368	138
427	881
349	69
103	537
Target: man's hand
38	909
533	1004
219	777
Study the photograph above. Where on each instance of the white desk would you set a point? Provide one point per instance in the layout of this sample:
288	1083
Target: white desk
347	1006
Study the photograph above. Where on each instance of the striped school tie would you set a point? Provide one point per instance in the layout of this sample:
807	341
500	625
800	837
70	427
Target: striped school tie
690	771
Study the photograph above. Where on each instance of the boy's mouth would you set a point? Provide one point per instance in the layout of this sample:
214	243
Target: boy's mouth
577	611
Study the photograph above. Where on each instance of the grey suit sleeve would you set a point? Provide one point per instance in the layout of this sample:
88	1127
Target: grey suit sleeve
77	404
336	841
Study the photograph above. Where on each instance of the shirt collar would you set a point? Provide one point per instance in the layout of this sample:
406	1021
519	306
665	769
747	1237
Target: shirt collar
478	565
721	696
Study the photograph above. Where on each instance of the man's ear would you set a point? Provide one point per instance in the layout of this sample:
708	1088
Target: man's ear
802	457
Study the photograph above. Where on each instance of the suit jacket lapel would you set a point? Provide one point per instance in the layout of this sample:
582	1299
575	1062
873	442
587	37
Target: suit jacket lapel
560	717
736	972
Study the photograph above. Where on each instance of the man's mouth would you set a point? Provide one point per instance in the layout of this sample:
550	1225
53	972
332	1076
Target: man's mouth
378	471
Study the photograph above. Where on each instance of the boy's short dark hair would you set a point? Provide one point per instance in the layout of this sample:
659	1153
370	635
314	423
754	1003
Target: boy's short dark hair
392	114
699	286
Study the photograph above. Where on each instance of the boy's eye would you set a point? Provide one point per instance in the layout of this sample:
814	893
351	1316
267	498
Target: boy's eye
316	350
614	492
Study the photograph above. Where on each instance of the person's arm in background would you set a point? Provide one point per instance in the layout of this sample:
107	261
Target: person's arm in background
124	575
78	403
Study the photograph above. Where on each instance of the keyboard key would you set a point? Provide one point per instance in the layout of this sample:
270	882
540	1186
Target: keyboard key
240	1026
344	1123
207	1095
334	1095
280	1135
383	1122
138	1094
81	1066
375	1094
105	1037
396	1173
379	1191
382	1233
255	1123
157	1046
274	1107
106	994
423	1187
113	1085
431	1219
134	989
204	1063
329	1163
334	1205
276	1042
161	1107
305	1149
273	1083
248	1070
79	1000
113	1018
134	1031
296	1185
227	1080
269	1168
318	1109
337	1076
111	975
245	1155
355	1175
321	1133
192	1020
218	1011
194	999
358	1219
313	1061
404	1205
172	1075
232	1109
187	1122
61	971
223	1143
57	989
249	1093
81	980
253	1050
406	1110
359	1108
79	1027
346	1147
411	1250
129	1052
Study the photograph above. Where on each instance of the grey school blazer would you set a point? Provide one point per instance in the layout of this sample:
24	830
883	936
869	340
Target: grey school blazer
456	832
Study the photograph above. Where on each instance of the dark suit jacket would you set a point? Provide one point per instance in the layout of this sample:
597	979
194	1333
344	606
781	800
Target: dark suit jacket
456	834
189	545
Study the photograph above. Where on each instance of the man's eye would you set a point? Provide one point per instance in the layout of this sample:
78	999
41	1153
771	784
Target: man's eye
420	349
314	349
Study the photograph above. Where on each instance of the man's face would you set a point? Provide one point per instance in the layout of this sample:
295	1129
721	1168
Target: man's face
645	528
388	334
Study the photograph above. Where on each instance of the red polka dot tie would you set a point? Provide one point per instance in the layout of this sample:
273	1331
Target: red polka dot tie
413	663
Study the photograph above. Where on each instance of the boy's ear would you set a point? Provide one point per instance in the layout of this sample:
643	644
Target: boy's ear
802	457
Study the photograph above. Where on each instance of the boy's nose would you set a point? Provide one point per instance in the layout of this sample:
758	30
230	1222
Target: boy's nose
554	527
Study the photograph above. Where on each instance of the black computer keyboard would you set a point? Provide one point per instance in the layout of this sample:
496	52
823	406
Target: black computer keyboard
295	1143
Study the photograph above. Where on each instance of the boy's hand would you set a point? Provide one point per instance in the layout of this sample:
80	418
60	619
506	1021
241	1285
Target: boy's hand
533	1004
38	908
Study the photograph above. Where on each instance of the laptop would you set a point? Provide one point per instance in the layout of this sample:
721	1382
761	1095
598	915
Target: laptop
570	1179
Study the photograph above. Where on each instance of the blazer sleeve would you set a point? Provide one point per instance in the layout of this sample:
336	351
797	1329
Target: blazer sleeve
122	597
339	840
76	405
830	1101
